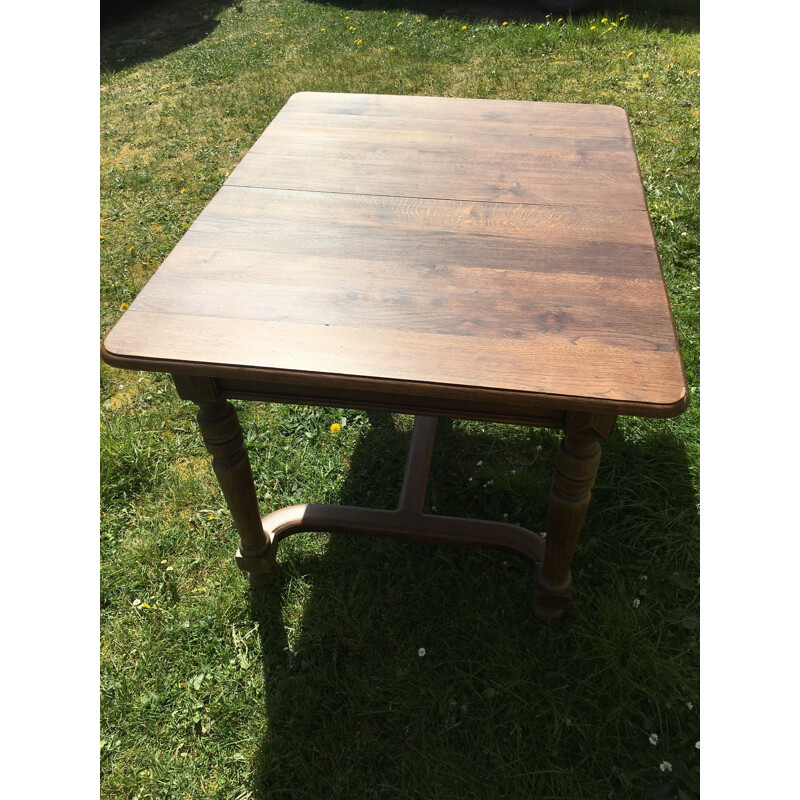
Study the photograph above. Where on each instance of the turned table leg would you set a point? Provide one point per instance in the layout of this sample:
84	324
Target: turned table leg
222	434
576	469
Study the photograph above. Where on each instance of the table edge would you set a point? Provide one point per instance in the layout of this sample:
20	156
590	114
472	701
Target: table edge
483	399
457	98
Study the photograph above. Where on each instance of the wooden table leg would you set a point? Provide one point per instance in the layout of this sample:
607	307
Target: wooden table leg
222	434
576	469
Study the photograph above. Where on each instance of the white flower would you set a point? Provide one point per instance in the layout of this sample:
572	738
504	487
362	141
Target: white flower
137	602
636	602
421	652
665	766
697	745
689	705
653	738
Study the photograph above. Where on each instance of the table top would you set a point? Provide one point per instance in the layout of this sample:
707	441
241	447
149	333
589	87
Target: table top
484	246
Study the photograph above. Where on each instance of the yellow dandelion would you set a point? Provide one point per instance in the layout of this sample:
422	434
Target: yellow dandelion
392	47
336	427
127	102
613	24
347	17
463	27
591	29
101	236
629	54
560	19
211	516
183	191
646	75
505	23
145	605
123	306
357	41
322	30
605	19
399	23
130	249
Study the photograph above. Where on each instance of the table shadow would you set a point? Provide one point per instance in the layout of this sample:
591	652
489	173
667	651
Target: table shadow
337	725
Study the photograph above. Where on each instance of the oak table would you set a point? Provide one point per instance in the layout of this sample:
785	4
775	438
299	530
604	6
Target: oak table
441	257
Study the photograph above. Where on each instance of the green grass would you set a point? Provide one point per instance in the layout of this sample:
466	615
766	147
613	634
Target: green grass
314	688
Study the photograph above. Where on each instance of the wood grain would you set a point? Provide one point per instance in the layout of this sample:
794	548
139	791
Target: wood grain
462	176
436	113
495	246
448	148
551	364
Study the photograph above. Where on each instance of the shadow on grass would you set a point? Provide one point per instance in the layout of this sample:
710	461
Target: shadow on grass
136	31
672	15
498	706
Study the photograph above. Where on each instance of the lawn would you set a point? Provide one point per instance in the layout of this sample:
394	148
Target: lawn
315	687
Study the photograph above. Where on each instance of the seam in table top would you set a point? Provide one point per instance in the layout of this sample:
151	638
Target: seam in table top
644	209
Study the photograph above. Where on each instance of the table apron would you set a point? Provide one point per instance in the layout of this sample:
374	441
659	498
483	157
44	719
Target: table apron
508	410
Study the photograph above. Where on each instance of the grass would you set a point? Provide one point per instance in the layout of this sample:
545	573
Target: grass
314	688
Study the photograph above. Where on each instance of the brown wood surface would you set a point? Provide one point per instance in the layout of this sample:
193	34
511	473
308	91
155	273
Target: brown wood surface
222	435
382	242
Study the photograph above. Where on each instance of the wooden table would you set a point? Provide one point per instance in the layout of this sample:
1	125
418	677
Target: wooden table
442	257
